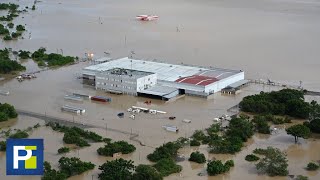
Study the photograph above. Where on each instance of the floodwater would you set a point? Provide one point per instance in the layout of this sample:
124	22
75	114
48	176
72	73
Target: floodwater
267	39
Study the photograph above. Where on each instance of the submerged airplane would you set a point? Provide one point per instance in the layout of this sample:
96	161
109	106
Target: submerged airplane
147	17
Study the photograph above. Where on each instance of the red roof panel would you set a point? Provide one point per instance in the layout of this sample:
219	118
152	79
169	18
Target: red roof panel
197	80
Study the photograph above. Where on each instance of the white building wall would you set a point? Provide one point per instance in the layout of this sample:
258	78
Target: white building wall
217	86
146	82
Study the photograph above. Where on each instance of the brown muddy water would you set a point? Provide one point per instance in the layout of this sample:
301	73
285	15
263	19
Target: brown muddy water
267	39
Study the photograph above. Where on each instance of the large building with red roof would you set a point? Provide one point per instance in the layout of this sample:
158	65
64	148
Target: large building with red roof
185	79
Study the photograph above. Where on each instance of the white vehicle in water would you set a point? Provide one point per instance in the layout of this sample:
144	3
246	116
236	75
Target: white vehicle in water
147	17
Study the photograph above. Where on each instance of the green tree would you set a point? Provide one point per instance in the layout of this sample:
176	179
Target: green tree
63	150
274	163
10	25
299	130
3	145
167	167
314	125
116	170
3	116
217	167
194	142
116	147
239	127
251	157
9	110
261	124
312	166
146	172
168	150
20	28
197	157
19	135
74	166
52	174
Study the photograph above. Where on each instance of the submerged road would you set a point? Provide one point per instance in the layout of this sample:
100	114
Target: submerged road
66	122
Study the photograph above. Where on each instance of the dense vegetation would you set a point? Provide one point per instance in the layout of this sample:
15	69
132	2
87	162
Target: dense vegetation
146	172
238	131
19	134
217	167
284	102
7	111
274	163
68	167
167	166
314	117
197	157
116	169
52	174
312	166
24	54
3	145
75	135
63	150
300	177
12	13
299	130
74	166
261	124
7	65
168	150
116	147
52	59
251	157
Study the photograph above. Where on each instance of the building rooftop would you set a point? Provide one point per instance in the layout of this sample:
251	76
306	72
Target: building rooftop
164	71
197	80
125	72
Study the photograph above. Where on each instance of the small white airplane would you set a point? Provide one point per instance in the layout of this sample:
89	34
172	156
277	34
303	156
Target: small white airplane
147	17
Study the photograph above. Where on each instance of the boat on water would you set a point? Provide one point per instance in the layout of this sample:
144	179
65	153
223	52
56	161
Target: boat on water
101	98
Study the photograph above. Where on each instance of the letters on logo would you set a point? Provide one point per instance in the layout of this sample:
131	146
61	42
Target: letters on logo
24	156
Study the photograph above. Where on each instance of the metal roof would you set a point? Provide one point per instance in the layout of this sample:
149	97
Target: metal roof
159	90
239	83
197	80
164	71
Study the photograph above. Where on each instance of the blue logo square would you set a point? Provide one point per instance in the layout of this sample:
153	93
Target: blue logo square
24	156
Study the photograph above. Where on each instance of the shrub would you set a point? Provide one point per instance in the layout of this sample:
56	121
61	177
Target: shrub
194	143
63	150
197	157
3	145
217	167
20	28
251	157
168	150
167	167
116	147
19	134
312	166
260	151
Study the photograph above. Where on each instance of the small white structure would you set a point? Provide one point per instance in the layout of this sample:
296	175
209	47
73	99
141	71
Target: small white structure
171	128
5	93
132	116
186	121
73	98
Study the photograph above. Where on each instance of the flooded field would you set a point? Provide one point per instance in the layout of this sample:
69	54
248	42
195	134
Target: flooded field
267	39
